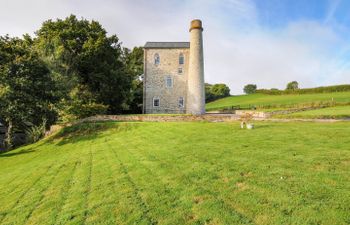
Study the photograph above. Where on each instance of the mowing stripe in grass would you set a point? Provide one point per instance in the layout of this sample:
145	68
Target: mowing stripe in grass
32	197
101	197
73	209
6	212
161	198
23	170
64	193
46	198
54	197
88	187
125	202
136	192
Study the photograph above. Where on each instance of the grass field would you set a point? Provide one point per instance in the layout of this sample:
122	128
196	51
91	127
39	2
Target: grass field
338	112
181	173
271	100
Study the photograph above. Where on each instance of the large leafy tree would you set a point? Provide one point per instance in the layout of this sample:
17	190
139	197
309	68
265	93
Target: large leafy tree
83	58
26	87
294	85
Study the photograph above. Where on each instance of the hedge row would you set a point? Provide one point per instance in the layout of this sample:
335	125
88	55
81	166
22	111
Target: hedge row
327	89
304	105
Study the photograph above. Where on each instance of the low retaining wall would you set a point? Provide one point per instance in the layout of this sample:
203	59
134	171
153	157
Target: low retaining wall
256	114
164	118
190	118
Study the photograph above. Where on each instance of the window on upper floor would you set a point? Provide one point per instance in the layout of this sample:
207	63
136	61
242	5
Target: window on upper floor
156	59
169	82
179	70
181	59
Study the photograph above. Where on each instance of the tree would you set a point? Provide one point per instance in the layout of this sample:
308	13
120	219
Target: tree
220	90
81	55
292	85
26	88
134	65
250	89
216	91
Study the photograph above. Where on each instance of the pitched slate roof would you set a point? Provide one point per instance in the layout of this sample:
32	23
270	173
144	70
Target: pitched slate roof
167	45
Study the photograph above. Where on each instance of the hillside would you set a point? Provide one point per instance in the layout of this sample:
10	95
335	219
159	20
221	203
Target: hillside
180	173
264	100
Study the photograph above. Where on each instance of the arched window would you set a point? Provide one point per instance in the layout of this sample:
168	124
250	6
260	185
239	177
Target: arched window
156	59
181	59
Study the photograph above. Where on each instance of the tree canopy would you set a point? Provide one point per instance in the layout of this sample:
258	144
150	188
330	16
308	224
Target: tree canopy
292	85
250	88
26	86
84	59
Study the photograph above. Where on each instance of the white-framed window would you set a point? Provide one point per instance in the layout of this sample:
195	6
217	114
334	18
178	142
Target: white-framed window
179	70
181	102
168	81
156	59
181	59
156	102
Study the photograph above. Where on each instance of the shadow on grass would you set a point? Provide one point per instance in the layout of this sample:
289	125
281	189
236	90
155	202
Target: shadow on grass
10	154
262	126
87	131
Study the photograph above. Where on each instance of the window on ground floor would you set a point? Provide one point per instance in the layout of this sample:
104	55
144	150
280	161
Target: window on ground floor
181	102
156	102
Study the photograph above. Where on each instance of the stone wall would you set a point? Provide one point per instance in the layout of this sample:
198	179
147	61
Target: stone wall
155	80
164	118
256	114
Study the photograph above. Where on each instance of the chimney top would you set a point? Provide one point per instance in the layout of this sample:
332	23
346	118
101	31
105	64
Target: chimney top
196	24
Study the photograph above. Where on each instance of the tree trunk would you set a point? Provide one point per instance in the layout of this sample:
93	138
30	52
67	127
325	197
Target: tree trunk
9	136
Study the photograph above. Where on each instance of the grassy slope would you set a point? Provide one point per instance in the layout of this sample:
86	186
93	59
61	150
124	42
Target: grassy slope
181	173
337	112
263	99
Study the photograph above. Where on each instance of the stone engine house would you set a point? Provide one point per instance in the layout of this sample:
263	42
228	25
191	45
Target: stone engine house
174	75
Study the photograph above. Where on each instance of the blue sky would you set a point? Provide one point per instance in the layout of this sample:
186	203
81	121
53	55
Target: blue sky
266	42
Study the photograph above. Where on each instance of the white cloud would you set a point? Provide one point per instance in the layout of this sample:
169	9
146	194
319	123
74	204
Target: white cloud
237	49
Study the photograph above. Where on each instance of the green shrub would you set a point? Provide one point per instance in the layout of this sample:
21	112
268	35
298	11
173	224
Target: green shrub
35	133
79	111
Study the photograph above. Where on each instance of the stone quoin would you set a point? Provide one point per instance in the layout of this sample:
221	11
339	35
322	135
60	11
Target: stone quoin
174	75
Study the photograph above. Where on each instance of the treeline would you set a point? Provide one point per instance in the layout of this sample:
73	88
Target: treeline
327	89
69	70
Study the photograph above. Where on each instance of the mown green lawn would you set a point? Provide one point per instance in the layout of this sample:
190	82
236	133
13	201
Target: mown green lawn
271	100
181	173
338	112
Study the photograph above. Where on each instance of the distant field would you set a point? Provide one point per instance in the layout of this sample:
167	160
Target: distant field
181	173
270	100
338	112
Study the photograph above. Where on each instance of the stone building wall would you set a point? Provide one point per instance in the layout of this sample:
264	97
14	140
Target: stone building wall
155	80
